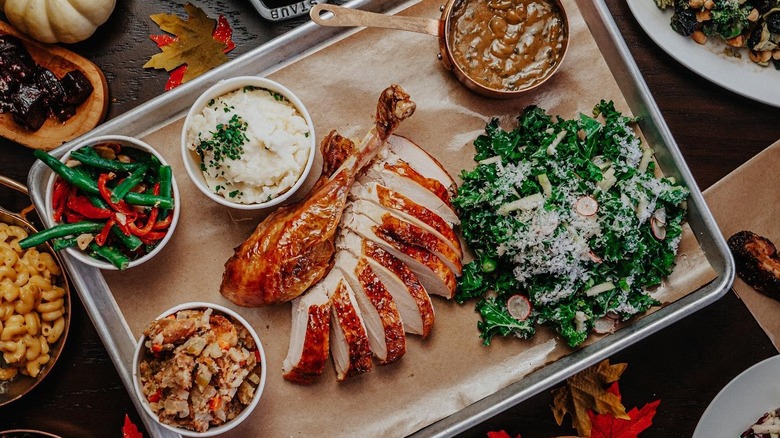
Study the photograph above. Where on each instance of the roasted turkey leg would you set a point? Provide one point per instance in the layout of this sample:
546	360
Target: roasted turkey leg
292	248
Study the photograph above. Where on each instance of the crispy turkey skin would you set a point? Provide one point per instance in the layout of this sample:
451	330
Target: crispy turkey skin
292	248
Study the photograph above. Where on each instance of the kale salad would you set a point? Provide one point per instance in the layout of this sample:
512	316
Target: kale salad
568	222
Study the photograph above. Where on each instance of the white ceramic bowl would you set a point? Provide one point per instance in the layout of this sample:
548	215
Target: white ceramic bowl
125	142
192	161
140	352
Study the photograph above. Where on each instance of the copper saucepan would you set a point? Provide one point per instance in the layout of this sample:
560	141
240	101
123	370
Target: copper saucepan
340	16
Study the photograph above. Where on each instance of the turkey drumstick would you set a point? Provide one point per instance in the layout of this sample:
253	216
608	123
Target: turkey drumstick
292	248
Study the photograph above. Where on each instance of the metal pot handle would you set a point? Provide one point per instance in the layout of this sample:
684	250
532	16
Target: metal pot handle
13	184
21	188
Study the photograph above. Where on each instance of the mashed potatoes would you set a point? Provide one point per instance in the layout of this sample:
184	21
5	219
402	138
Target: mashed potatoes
253	144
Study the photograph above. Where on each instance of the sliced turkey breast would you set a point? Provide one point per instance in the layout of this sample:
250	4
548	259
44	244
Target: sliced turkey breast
434	275
421	161
309	336
380	314
409	233
410	188
349	344
412	300
408	210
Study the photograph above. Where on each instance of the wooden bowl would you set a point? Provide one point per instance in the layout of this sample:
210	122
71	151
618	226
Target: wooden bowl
88	115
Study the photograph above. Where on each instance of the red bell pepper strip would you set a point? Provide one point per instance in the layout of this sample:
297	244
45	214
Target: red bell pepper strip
72	216
214	403
81	205
154	398
100	239
147	228
152	237
59	198
150	223
163	224
105	193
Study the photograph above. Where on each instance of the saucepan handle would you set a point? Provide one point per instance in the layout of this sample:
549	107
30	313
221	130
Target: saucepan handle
13	184
330	15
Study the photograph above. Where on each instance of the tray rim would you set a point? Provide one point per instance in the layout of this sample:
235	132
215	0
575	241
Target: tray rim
307	38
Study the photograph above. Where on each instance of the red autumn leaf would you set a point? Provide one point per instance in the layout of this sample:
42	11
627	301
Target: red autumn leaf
162	40
607	426
130	430
223	33
500	434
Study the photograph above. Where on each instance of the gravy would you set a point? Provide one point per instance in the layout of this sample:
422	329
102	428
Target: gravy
507	44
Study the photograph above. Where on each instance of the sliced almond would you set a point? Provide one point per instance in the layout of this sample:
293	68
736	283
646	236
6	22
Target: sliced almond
83	240
105	151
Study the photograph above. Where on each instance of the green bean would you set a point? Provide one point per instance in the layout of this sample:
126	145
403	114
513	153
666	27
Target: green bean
149	199
64	242
73	176
97	201
139	155
113	255
166	186
79	179
89	151
128	183
61	230
103	163
130	241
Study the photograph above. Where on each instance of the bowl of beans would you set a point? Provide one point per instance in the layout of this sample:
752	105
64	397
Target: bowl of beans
110	202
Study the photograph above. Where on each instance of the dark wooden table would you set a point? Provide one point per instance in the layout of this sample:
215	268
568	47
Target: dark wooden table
684	365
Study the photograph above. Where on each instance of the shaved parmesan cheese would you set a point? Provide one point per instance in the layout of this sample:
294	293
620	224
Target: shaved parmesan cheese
599	288
551	148
529	202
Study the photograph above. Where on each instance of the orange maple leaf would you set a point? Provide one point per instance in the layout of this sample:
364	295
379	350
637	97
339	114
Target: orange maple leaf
587	391
194	44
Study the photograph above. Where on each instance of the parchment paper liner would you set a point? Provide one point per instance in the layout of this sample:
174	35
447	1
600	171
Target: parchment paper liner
747	199
451	369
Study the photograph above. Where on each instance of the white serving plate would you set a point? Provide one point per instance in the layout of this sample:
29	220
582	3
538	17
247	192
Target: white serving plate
743	401
739	75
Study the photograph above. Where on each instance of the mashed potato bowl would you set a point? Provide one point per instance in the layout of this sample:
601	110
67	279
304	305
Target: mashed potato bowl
248	143
152	367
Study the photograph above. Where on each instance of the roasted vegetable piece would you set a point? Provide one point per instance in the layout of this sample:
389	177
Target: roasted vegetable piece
684	20
728	19
29	107
77	87
758	263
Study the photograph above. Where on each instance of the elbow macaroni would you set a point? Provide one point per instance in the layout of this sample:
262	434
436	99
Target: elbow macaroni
32	306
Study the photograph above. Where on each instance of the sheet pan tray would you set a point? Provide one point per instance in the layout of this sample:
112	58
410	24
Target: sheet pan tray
116	333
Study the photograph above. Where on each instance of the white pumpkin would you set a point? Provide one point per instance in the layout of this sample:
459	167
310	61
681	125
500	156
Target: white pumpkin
58	21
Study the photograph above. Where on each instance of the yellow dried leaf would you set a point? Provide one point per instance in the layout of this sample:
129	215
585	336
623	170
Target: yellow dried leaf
194	44
587	390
